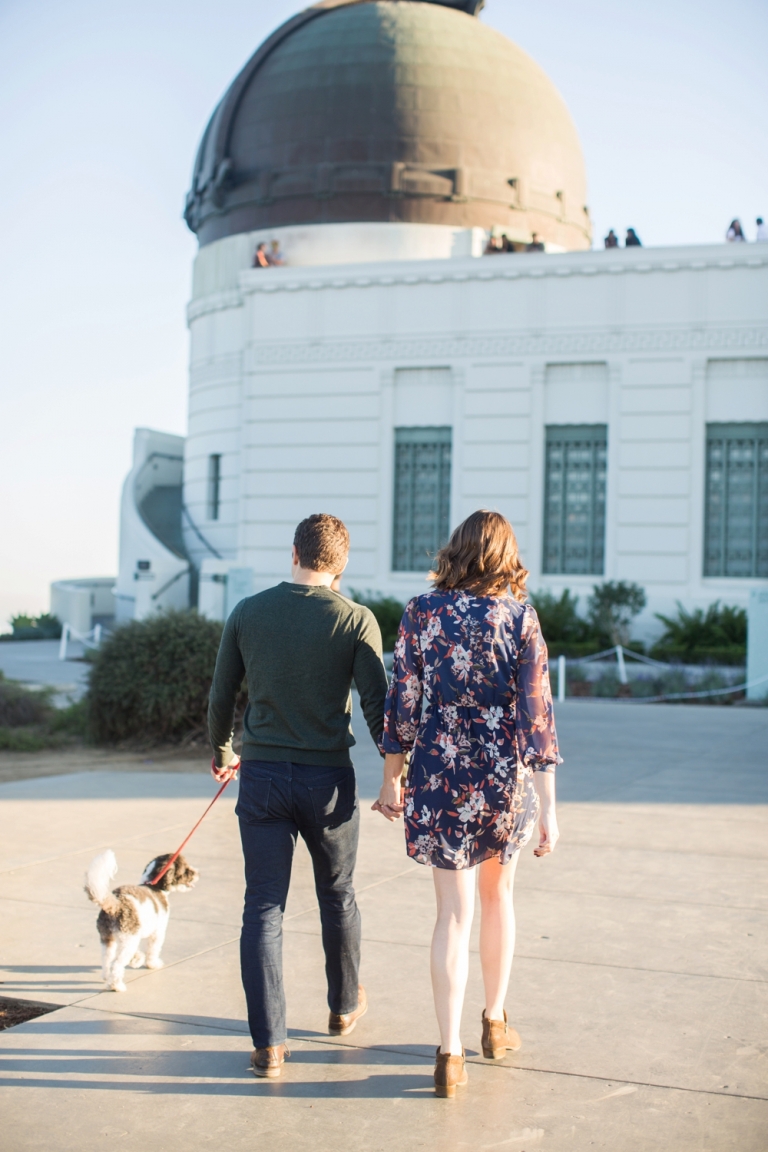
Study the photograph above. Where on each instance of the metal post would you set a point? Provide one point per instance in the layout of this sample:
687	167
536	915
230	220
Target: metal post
63	644
560	678
622	665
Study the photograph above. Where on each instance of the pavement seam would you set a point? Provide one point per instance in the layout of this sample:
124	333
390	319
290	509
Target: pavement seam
644	899
582	963
476	1062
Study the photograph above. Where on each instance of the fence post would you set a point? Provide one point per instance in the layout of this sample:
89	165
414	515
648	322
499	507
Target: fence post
622	665
560	678
97	635
63	644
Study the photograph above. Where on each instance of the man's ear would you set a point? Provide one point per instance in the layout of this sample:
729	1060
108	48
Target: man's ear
294	555
345	565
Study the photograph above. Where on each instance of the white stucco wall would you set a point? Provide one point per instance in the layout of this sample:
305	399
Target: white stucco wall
297	379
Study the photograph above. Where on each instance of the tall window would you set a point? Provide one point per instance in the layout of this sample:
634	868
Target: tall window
214	485
574	498
422	496
736	516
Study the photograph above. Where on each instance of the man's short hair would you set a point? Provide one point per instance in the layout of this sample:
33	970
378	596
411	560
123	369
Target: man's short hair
322	543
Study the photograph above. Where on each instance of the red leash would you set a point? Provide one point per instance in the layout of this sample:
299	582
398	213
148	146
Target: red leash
177	853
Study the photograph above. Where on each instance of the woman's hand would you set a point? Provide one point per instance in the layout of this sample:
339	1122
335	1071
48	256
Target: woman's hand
389	802
549	834
221	775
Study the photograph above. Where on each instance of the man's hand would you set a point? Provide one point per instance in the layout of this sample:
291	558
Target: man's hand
221	775
389	802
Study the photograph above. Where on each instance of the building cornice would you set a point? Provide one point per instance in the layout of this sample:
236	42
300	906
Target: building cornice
684	338
518	266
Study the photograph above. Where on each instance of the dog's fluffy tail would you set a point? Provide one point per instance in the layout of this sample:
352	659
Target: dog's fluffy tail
101	872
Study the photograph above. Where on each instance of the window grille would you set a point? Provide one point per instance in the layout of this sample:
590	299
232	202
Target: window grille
214	486
736	515
422	501
574	498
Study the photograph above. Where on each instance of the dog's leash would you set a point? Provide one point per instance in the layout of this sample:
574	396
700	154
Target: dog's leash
184	843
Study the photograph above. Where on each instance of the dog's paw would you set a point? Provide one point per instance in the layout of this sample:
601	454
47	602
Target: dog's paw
118	987
137	961
155	962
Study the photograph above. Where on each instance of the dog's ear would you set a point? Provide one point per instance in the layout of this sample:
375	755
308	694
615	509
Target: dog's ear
154	868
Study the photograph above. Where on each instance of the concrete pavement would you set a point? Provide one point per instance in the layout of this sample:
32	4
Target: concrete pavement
639	985
36	664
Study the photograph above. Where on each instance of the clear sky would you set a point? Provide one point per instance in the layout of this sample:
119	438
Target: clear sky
101	109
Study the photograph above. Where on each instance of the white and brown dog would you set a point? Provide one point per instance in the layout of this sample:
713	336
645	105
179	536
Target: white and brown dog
133	913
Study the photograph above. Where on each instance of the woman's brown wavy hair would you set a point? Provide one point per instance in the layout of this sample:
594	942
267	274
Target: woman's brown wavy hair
481	557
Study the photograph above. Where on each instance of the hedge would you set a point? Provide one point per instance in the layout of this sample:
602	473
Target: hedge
150	680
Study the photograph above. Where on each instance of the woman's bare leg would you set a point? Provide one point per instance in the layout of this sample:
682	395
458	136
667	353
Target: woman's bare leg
497	931
455	896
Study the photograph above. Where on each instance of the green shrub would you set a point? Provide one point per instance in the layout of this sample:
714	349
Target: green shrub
717	635
150	679
565	632
611	609
388	612
19	707
43	627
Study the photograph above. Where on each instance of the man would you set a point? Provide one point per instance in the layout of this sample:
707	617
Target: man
632	239
761	235
535	245
611	240
299	646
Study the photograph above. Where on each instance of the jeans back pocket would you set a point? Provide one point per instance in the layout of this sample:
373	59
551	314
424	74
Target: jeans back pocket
253	799
333	803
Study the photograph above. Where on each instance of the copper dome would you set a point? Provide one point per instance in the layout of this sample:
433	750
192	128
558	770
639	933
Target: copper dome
390	110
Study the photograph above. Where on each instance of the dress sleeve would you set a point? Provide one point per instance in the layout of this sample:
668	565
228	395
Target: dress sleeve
536	735
402	709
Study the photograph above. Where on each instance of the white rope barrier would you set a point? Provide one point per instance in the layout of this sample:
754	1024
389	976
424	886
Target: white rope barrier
620	652
91	639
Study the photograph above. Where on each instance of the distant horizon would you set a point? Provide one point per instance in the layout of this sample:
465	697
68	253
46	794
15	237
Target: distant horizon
103	110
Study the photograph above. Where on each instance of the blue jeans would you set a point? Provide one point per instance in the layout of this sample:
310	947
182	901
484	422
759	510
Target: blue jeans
277	802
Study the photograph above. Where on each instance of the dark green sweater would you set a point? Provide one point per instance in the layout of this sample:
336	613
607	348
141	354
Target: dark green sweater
299	648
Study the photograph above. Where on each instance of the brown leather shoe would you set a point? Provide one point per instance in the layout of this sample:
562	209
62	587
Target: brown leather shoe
269	1061
342	1025
498	1037
450	1074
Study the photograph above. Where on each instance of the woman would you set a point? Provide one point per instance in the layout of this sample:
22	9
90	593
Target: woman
470	700
735	233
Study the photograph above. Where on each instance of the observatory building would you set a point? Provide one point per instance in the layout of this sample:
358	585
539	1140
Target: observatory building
613	404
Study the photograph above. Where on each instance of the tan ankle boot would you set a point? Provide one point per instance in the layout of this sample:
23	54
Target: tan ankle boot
450	1074
498	1038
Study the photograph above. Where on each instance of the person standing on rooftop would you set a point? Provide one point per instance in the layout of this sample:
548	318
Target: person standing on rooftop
299	646
761	235
611	240
632	240
260	258
735	233
470	700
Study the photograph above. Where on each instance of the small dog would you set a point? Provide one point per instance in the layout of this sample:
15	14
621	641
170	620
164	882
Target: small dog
133	913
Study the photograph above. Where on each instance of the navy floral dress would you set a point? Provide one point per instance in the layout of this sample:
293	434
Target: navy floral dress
470	699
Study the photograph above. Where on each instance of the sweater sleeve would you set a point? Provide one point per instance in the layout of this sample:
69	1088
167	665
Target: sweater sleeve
227	678
369	675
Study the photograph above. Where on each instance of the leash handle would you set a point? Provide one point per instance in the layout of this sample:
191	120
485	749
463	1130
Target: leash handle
177	853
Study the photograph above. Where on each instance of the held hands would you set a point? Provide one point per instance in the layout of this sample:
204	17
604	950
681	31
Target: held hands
389	801
390	798
221	775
